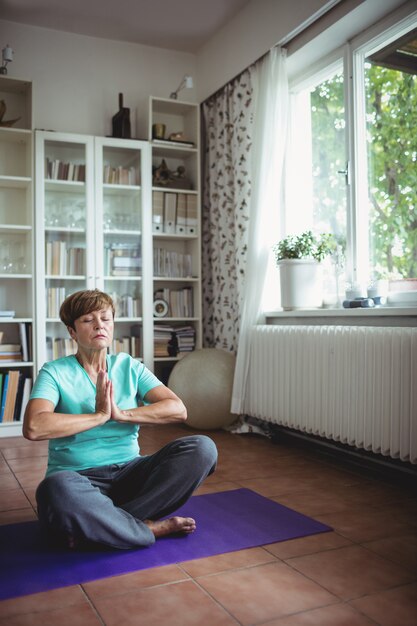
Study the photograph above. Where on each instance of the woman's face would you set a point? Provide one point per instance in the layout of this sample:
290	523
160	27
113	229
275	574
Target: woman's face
94	331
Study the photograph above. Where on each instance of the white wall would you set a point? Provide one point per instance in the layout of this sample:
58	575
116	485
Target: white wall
77	79
260	25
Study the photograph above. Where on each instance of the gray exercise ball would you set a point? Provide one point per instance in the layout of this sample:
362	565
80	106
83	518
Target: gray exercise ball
204	381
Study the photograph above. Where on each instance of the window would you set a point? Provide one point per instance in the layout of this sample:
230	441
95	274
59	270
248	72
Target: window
352	168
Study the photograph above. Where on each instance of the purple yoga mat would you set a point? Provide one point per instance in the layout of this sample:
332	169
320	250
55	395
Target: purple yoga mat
226	521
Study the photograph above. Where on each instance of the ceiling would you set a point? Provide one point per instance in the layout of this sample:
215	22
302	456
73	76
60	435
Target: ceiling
183	25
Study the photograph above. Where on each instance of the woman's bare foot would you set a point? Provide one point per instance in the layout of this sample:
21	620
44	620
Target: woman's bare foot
170	526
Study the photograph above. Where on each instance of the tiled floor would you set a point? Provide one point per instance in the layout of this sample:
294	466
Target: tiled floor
365	572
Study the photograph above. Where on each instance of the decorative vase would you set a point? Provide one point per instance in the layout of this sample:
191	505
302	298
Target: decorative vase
301	284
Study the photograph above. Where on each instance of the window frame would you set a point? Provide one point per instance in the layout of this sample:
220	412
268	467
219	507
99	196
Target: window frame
351	55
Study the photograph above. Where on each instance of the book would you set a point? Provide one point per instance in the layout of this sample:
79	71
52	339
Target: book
173	142
3	396
181	223
192	221
24	341
19	396
157	211
10	401
170	212
4	313
10	347
27	386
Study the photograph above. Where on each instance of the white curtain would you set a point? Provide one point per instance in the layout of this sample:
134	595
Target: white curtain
269	143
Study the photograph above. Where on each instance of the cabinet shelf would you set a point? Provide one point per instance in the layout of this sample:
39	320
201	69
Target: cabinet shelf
15	229
121	278
15	364
117	189
68	186
132	233
176	279
63	229
64	277
11	276
13	320
15	182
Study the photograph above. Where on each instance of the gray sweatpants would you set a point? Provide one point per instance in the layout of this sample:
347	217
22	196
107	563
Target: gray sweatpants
107	504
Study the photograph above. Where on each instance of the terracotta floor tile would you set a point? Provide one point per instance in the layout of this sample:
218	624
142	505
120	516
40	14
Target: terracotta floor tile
264	592
230	560
8	481
28	478
47	601
334	615
125	583
214	487
401	550
368	524
77	614
23	464
270	487
396	607
179	604
17	516
351	571
307	545
12	499
314	502
32	449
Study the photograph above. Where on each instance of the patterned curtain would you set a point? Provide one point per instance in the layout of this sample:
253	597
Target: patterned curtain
227	122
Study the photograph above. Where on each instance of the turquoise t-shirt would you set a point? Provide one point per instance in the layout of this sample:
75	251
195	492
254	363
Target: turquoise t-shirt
67	385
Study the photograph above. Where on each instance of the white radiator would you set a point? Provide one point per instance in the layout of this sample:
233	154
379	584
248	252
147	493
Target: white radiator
353	384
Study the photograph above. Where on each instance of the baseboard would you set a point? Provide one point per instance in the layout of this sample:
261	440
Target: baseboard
376	465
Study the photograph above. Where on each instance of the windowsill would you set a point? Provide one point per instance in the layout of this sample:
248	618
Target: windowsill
379	316
390	311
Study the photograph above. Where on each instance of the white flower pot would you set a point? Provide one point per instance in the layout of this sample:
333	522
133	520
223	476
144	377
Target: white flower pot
301	284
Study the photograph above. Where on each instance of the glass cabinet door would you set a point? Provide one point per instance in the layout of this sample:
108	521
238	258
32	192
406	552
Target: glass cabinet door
65	178
120	217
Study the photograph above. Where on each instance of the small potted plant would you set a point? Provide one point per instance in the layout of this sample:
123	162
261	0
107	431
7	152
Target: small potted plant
298	258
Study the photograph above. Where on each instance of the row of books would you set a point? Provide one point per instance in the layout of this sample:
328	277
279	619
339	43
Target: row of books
171	341
63	261
122	259
21	351
120	175
171	264
14	393
57	347
179	301
174	213
55	296
131	345
126	305
55	169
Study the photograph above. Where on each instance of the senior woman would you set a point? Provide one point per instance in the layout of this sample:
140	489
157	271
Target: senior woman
98	488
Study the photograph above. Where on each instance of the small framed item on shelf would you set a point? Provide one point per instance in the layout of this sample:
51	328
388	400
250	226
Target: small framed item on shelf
160	308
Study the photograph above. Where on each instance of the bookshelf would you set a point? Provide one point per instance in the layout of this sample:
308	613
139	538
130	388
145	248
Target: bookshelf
176	234
16	255
92	231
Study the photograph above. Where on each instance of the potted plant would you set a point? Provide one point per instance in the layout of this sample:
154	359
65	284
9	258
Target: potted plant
298	258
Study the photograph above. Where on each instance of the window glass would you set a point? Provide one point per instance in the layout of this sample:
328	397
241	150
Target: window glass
317	180
391	122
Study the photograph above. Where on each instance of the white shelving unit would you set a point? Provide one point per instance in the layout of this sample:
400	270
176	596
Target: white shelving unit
177	247
16	240
93	230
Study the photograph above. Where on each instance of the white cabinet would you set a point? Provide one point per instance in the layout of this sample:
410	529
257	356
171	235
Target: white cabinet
16	255
176	208
93	230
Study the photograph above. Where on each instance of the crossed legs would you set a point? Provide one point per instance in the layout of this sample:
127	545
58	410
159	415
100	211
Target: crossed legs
121	506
